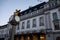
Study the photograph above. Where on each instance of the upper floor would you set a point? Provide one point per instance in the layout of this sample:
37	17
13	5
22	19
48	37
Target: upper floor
43	21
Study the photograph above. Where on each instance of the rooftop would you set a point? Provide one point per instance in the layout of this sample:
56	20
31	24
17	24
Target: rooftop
32	8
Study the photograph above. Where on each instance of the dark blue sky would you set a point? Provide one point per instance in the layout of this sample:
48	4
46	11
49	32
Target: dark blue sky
7	8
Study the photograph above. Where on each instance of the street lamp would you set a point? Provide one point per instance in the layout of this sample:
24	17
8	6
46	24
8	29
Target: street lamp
14	20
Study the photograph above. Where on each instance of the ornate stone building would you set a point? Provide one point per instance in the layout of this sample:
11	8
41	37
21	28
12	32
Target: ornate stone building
40	22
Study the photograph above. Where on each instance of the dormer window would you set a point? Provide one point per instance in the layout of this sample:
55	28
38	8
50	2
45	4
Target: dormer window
53	4
46	6
25	12
30	11
21	14
35	9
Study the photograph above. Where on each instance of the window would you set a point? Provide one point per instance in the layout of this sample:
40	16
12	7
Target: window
41	21
35	12
35	9
25	12
56	22
53	4
18	27
56	26
55	15
28	24
34	22
23	24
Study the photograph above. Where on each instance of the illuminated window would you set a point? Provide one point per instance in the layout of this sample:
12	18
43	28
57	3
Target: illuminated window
22	38
34	37
27	38
42	37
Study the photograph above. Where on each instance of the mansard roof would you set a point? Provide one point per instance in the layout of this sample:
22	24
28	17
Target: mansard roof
32	8
4	26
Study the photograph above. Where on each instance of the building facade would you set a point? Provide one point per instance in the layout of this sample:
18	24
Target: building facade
4	32
41	22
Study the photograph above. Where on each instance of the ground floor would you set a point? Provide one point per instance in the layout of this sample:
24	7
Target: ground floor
38	36
31	36
1	38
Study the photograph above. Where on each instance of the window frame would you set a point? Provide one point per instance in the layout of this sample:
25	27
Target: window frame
28	23
41	22
23	24
34	23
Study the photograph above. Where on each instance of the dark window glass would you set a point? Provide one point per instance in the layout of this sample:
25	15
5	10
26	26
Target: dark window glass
18	27
53	4
28	24
41	21
23	24
55	15
34	22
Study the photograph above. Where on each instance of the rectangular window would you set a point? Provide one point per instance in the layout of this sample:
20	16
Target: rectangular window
34	22
55	16
56	25
56	22
18	27
23	24
53	4
28	24
41	21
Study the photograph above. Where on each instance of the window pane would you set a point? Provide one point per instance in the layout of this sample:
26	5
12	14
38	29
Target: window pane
56	23
23	24
41	21
28	24
34	22
56	27
55	15
18	27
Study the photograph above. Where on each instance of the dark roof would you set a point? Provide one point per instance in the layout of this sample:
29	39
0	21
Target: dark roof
4	26
32	8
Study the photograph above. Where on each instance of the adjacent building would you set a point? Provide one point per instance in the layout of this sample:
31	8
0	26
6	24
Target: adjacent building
4	32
